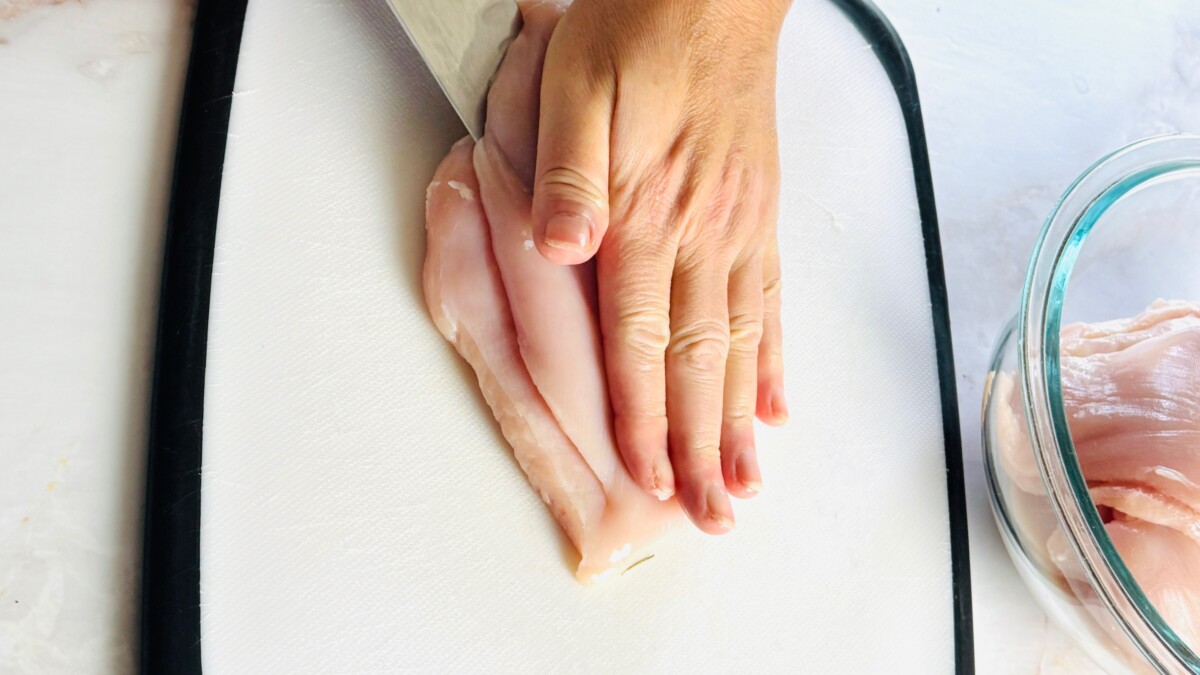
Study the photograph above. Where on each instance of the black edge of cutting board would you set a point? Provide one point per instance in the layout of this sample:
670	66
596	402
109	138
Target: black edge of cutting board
170	613
890	51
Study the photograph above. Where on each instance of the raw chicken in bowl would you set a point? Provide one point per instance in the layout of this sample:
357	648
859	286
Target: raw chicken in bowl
1092	412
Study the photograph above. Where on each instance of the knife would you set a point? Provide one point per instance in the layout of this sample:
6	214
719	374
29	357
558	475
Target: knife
462	42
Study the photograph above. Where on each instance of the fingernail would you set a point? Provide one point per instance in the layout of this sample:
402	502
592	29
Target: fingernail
779	409
568	231
747	473
662	479
717	503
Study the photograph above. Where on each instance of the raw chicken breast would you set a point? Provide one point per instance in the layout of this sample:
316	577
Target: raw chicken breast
528	328
1152	506
1158	539
1131	389
1166	565
544	297
1009	426
470	308
1132	396
1132	392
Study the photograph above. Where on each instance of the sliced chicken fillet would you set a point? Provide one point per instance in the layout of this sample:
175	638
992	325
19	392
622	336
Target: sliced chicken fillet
543	364
467	301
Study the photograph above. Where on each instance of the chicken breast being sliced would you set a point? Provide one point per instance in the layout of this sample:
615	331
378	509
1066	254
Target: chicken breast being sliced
467	301
541	369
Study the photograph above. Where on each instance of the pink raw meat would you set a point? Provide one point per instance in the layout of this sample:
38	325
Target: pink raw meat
528	327
1132	392
1131	389
1166	565
1149	505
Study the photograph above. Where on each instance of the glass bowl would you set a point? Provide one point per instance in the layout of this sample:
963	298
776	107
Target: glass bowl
1125	234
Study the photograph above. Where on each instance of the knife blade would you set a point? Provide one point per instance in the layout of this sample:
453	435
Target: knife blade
462	43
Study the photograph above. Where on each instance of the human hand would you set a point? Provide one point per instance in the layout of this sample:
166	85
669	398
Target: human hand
657	153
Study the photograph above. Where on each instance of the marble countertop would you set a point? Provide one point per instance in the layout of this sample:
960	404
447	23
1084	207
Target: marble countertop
1019	96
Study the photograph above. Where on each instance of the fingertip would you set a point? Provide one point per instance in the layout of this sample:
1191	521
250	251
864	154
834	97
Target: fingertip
739	460
742	476
567	238
748	473
662	478
779	409
708	507
772	418
561	256
569	231
570	190
762	405
771	407
718	509
570	214
643	447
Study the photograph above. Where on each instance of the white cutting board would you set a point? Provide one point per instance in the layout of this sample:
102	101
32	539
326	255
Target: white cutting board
360	511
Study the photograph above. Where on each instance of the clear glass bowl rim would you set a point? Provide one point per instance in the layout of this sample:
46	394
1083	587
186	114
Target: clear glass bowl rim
1039	321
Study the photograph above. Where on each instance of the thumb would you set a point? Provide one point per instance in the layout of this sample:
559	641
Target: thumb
570	189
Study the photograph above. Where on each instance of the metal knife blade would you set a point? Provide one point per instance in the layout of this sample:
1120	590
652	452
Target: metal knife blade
462	42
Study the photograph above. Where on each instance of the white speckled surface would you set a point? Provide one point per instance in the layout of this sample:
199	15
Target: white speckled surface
1018	96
